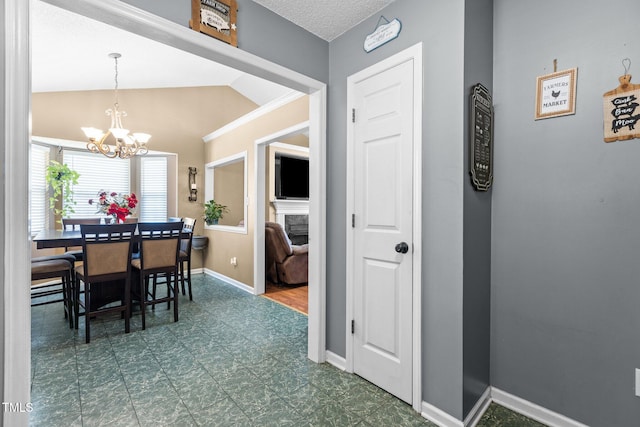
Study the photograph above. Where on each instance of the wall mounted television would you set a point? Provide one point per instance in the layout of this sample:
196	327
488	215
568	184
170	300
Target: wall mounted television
292	177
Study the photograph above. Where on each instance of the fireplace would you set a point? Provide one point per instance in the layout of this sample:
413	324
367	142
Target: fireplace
297	228
293	216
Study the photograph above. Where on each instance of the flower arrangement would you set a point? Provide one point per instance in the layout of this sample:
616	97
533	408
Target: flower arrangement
115	204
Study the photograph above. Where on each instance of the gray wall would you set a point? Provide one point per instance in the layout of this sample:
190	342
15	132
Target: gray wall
439	24
478	68
566	238
260	32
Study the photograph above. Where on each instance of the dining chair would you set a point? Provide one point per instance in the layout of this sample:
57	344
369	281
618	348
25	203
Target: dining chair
159	250
53	267
185	253
107	263
74	224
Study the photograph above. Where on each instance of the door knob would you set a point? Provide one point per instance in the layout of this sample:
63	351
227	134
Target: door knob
402	248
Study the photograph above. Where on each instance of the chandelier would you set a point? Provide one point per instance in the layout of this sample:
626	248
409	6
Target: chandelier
126	145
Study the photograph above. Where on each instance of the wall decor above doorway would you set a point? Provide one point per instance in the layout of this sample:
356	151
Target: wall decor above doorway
216	18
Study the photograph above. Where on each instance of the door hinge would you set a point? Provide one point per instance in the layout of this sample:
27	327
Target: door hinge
353	326
353	220
353	115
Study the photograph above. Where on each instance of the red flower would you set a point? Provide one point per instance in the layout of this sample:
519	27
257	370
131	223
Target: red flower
116	204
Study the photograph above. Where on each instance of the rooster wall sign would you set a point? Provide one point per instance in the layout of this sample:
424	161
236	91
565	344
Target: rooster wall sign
621	112
556	94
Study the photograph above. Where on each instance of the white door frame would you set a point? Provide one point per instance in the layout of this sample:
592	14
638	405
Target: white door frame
412	53
260	197
16	41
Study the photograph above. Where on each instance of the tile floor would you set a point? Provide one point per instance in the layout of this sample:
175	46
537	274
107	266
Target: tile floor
233	359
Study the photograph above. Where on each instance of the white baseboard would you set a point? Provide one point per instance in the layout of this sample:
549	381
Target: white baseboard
197	270
532	410
337	361
439	417
478	409
229	280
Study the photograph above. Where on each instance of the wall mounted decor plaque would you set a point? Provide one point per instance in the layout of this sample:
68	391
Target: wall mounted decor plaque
556	94
621	113
216	18
481	138
382	34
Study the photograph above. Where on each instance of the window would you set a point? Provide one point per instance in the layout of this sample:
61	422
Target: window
153	189
96	173
226	183
153	178
38	197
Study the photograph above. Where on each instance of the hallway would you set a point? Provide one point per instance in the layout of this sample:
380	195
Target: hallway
232	359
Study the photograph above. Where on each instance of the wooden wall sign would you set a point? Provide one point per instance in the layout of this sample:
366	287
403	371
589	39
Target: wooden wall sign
216	18
621	113
556	94
481	138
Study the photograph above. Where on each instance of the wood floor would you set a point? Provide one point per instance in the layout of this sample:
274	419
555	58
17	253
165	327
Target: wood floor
292	296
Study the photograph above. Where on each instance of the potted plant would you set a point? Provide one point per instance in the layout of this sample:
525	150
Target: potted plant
61	178
213	212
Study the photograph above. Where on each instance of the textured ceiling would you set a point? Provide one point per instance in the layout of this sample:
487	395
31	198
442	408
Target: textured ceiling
326	19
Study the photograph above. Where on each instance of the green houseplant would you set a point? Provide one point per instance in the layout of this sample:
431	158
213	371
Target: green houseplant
213	211
61	178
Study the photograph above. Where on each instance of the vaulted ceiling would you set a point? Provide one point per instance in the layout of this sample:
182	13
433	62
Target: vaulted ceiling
70	52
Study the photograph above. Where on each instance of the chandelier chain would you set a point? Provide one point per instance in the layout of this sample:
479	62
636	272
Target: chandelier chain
116	78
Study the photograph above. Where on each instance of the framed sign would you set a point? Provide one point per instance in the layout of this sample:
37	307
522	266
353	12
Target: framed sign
556	94
481	138
216	18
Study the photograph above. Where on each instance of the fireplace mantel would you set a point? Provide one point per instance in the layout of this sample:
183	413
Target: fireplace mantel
289	207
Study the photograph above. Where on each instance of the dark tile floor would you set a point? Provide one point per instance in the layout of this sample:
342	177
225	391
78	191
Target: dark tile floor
232	359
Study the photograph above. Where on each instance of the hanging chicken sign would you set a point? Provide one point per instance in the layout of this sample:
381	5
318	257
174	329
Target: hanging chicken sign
556	94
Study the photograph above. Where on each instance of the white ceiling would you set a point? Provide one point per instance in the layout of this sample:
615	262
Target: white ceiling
70	52
326	19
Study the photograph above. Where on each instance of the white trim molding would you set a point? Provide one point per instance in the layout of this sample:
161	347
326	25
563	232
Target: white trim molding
335	360
16	342
258	112
478	409
209	189
439	417
532	410
229	280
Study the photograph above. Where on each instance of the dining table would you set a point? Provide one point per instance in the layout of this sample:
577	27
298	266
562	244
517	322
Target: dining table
47	239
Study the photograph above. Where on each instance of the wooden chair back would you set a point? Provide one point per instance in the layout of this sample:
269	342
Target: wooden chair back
160	245
107	251
75	223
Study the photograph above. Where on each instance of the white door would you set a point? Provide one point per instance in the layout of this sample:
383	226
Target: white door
382	224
